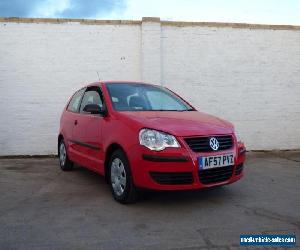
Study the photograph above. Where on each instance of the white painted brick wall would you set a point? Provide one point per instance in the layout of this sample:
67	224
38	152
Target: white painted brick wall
41	65
248	76
151	52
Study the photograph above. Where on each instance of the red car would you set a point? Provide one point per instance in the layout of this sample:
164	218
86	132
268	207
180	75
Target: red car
145	136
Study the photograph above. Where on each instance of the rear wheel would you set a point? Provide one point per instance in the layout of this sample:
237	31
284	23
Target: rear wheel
121	182
64	162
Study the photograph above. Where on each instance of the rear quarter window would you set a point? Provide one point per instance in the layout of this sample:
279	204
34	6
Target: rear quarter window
75	101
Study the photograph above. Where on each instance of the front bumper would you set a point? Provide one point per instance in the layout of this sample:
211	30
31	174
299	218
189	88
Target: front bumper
177	168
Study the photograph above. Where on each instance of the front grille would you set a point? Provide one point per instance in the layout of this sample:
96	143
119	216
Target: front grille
201	144
166	178
209	176
239	169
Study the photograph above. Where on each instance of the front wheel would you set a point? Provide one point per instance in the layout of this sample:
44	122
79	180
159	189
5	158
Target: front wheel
64	162
121	182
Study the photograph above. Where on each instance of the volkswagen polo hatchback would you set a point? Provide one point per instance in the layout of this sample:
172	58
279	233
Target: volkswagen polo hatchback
142	136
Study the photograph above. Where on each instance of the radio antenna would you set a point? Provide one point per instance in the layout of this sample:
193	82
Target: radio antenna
98	76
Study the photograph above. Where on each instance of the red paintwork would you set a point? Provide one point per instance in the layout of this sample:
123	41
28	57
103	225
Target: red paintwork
122	128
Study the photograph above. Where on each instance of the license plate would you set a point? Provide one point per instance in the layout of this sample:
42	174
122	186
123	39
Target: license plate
208	162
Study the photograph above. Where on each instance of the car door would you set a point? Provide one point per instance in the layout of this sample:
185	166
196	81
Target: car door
87	132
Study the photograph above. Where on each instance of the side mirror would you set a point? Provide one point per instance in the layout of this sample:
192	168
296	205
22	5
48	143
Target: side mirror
94	109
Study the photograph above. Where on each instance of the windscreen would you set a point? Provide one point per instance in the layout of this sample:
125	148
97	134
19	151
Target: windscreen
142	97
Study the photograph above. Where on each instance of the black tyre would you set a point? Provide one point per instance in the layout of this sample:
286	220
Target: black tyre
64	162
121	182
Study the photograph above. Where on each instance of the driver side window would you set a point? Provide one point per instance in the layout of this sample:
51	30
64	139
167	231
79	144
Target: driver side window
91	96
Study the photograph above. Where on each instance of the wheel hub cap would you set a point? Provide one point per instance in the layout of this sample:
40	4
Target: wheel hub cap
118	176
62	154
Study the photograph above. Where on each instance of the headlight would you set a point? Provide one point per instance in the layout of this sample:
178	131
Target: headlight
238	136
156	140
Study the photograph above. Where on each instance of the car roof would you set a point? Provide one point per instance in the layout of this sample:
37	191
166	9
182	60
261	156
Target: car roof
117	82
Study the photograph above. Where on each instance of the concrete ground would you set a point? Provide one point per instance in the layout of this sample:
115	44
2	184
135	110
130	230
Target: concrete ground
42	207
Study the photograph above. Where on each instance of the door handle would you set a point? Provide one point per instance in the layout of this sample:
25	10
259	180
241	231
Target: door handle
75	122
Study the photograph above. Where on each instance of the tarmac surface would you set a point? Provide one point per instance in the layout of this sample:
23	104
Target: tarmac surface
42	207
